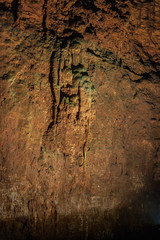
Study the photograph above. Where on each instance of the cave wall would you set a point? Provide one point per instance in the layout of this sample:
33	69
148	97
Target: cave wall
80	118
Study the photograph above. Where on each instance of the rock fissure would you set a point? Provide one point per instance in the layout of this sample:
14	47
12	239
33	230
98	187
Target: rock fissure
51	82
44	9
14	9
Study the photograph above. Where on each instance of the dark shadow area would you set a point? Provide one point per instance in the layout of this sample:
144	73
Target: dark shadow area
87	4
140	219
14	9
3	8
75	227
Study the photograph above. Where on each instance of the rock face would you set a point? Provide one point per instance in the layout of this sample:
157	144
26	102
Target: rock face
80	118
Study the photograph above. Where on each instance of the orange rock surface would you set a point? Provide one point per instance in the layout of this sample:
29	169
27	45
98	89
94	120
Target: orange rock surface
80	117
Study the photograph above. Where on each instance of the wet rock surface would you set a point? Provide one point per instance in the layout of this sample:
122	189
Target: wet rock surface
80	119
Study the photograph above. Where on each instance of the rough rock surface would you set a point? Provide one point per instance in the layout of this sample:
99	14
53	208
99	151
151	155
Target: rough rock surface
80	118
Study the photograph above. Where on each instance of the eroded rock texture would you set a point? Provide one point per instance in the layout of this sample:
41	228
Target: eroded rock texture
80	118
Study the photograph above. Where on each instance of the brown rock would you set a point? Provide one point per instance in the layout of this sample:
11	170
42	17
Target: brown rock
80	120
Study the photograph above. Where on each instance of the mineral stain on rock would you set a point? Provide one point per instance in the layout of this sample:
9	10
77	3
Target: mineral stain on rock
80	119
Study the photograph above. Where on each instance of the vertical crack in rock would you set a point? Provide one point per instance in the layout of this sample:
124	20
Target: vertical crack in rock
44	17
57	88
14	9
51	82
59	68
85	146
79	103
